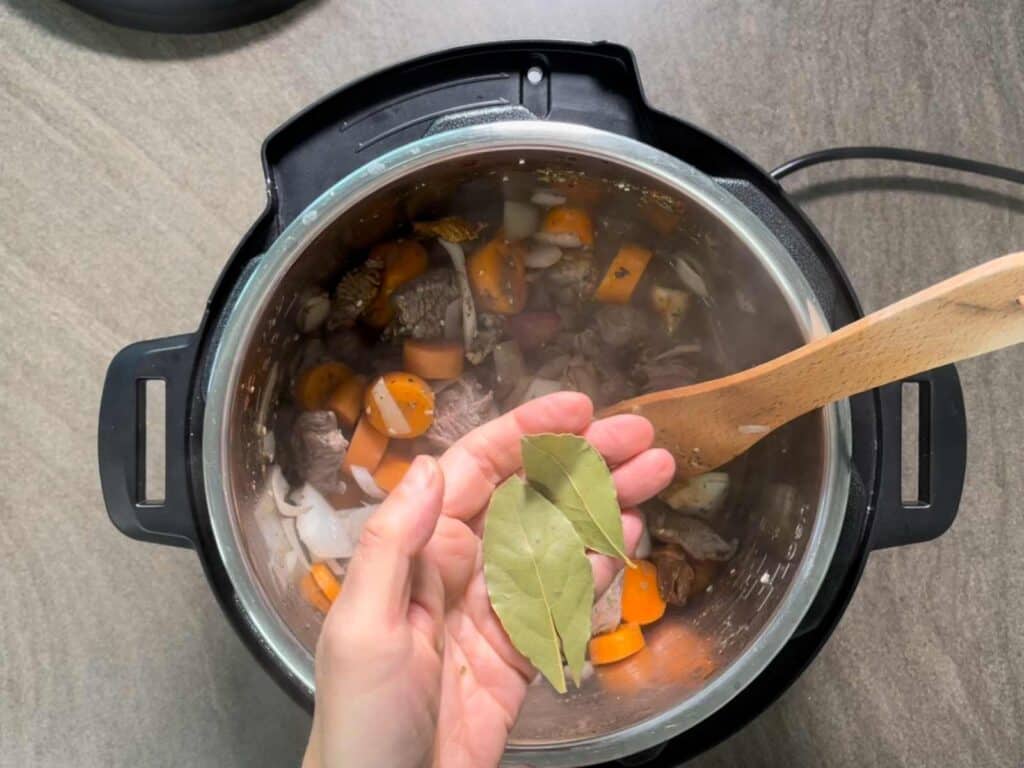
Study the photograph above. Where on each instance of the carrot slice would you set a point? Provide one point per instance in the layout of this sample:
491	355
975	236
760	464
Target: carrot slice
497	274
347	400
641	601
366	449
581	190
567	220
616	645
433	359
403	261
313	594
391	470
326	581
314	385
623	274
662	220
400	405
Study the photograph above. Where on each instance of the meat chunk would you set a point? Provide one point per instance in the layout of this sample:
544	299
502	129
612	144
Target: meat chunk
420	305
354	293
462	406
675	574
574	277
697	538
489	330
607	612
620	325
318	448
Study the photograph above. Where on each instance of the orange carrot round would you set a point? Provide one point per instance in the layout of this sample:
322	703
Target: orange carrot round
403	261
400	405
314	385
326	580
313	594
567	220
433	359
616	645
366	448
641	601
391	470
623	274
347	400
497	274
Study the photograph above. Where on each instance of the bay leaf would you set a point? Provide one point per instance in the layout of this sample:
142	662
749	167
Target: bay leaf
574	477
538	579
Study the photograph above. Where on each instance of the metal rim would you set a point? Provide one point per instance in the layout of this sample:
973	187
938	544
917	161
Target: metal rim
528	136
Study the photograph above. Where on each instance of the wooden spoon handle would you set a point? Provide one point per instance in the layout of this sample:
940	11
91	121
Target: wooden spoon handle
978	311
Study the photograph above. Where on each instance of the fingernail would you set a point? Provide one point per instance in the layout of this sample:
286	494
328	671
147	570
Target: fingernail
421	474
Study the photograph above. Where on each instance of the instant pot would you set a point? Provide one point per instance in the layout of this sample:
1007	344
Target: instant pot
817	498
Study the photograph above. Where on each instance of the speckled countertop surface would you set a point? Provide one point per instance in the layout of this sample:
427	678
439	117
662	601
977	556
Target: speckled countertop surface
129	168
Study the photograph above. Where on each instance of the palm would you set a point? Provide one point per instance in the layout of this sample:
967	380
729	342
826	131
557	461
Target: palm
412	656
484	678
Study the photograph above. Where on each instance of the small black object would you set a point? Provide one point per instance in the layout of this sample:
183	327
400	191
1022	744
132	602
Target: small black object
182	16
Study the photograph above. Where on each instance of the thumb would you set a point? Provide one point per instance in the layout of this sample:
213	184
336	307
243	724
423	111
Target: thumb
379	577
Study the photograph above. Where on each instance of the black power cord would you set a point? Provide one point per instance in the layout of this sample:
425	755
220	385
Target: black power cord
895	153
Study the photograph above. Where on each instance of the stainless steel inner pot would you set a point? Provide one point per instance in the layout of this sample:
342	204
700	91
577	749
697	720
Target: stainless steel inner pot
791	491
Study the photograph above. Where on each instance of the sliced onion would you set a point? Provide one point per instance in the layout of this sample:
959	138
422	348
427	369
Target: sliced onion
330	533
561	239
679	349
279	490
268	446
547	198
394	419
520	220
643	545
543	256
367	484
453	321
469	329
313	312
293	542
266	401
689	277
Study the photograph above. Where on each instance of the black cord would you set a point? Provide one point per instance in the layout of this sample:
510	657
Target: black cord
895	153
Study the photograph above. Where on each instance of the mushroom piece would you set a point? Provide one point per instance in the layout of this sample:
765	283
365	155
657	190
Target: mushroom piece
354	293
606	614
421	305
575	276
655	373
620	325
675	574
318	448
697	538
460	407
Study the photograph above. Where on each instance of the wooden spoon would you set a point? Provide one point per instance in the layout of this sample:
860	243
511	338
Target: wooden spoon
707	424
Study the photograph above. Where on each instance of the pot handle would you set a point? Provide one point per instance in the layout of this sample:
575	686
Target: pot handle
122	441
942	462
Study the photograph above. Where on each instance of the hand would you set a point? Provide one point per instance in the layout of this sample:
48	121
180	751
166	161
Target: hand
413	668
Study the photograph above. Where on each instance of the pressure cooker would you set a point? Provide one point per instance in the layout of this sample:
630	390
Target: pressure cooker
818	496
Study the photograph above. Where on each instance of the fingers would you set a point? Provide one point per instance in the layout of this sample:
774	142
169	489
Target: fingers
378	581
643	476
620	438
475	465
606	567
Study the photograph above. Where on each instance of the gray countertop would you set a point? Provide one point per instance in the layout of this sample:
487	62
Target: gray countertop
129	169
